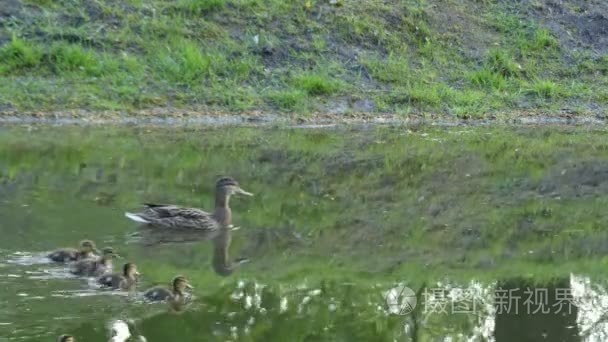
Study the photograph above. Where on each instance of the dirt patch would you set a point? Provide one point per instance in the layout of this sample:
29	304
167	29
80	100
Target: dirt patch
454	22
577	24
10	10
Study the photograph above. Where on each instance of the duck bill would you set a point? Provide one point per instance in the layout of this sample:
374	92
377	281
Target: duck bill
189	287
243	192
241	261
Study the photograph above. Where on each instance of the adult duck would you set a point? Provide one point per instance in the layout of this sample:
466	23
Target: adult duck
172	223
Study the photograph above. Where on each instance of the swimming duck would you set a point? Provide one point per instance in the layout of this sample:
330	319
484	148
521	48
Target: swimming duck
171	223
125	281
221	262
119	331
176	294
85	250
95	267
66	338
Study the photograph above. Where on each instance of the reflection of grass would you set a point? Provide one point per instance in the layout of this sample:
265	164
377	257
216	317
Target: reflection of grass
370	203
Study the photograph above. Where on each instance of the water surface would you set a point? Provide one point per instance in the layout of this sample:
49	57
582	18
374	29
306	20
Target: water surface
343	220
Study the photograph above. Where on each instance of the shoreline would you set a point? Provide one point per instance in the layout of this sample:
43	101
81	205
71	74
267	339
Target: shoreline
165	117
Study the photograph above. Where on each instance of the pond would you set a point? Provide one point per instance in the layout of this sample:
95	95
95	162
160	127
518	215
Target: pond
367	233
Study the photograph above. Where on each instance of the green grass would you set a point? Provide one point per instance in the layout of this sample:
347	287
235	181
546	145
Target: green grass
232	56
544	88
486	78
200	6
18	55
392	69
290	100
316	84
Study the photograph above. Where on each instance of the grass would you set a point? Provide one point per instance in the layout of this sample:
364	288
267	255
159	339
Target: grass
289	101
315	84
290	56
18	55
544	89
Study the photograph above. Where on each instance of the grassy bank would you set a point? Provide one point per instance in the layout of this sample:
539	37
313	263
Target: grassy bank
457	58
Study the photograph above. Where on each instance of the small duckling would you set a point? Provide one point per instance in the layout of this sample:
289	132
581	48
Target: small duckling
125	281
85	250
66	338
95	267
119	331
176	294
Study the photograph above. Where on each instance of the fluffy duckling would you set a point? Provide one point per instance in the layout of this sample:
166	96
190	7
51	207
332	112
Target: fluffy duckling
125	281
86	249
95	267
66	338
176	294
119	331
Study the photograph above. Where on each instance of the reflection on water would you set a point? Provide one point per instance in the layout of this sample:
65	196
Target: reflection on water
535	312
28	258
592	303
356	215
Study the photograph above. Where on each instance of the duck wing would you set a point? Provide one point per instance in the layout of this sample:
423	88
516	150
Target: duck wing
110	280
171	216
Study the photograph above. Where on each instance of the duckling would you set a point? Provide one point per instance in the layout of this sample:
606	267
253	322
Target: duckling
66	338
176	294
85	250
95	267
125	281
170	223
119	331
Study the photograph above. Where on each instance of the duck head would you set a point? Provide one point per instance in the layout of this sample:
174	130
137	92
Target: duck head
180	284
87	247
129	270
107	255
66	338
228	186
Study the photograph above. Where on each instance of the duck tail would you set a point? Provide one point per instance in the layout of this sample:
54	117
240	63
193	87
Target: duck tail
136	218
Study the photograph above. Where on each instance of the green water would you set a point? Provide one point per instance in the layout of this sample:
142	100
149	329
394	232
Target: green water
340	217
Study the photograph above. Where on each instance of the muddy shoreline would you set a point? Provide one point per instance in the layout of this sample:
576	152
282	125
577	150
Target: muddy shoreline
163	117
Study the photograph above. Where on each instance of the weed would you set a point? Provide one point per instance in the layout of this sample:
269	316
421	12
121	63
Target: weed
64	57
393	69
315	84
200	6
501	62
485	78
289	100
544	88
19	55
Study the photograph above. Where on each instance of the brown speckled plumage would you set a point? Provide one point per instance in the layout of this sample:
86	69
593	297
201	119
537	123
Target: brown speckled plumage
164	223
86	249
95	267
126	280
